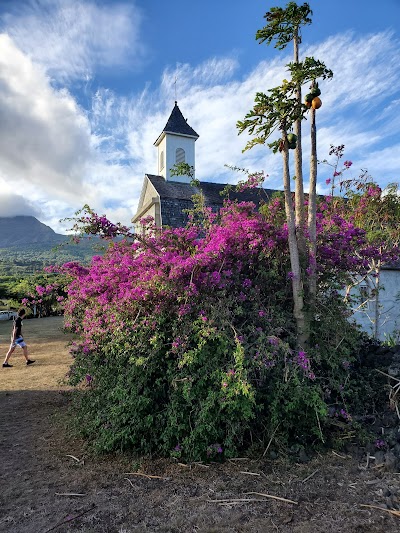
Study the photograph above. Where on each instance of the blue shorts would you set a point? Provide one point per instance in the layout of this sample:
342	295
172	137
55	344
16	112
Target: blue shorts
19	341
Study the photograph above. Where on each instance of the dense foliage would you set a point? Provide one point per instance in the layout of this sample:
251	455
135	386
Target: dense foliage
188	342
41	294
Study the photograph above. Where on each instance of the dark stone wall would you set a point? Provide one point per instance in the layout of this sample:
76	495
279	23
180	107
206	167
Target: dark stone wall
172	212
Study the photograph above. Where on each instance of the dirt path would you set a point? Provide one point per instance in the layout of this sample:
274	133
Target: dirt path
38	476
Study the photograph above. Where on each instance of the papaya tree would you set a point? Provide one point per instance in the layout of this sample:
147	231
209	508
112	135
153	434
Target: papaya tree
284	26
281	110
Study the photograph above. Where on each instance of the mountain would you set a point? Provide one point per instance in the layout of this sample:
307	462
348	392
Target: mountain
27	245
26	230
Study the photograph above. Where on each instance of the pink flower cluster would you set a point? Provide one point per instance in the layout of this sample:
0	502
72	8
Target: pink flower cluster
174	269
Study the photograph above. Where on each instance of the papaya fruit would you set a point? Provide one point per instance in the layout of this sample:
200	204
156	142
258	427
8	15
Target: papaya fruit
316	103
315	91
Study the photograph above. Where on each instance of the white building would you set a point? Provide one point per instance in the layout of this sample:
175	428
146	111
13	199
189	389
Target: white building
378	310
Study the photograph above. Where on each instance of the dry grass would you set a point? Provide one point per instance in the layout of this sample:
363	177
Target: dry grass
47	344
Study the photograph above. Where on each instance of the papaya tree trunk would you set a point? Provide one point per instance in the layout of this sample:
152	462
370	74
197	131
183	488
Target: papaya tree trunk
296	277
312	216
298	162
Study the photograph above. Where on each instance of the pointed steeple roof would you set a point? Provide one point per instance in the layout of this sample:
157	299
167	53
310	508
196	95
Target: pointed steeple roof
177	125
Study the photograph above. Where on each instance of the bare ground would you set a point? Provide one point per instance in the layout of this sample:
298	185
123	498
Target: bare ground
49	481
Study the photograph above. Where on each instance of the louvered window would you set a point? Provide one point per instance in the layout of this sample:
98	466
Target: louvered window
180	155
161	160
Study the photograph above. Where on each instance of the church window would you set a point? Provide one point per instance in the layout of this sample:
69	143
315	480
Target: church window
161	160
180	155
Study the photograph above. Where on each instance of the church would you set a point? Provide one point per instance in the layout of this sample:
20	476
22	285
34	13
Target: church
166	198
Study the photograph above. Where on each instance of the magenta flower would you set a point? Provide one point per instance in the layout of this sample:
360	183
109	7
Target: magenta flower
380	444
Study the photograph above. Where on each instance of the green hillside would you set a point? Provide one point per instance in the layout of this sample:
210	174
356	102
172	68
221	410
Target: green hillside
27	246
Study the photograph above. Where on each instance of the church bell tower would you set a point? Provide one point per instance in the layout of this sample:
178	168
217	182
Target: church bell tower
175	145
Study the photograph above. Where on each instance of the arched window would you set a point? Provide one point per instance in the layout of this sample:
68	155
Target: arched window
180	155
161	160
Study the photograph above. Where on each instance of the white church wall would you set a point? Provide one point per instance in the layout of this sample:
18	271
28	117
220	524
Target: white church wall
388	308
149	205
150	193
169	150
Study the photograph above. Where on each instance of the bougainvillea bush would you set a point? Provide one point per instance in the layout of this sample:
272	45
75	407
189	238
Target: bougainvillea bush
187	337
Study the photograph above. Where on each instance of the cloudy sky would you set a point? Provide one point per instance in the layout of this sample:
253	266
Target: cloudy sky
86	87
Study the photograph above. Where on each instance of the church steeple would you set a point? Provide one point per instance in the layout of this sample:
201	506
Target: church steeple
175	144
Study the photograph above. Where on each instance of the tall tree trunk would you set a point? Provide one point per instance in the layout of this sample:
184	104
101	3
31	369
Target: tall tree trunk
312	215
297	286
299	186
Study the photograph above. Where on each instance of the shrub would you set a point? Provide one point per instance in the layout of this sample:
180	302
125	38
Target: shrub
188	338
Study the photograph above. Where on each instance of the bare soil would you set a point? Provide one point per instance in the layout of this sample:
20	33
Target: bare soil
50	482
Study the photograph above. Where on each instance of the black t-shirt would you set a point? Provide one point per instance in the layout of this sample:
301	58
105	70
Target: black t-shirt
18	327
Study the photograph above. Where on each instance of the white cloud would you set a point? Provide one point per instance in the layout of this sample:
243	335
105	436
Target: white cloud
12	205
47	148
207	74
44	136
350	114
384	161
365	70
213	101
79	36
63	157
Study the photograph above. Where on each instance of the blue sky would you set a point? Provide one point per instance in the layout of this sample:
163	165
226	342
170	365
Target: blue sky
87	86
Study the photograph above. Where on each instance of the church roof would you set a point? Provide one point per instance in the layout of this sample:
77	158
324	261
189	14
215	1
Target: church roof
395	265
176	197
177	124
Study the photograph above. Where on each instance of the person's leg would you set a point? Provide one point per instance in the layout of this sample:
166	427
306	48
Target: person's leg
9	353
25	350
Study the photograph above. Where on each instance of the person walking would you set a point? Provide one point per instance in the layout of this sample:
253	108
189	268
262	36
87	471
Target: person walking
17	340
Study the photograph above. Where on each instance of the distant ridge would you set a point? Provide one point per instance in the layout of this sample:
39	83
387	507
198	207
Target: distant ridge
27	230
27	246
